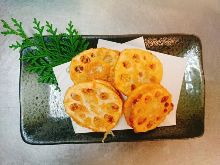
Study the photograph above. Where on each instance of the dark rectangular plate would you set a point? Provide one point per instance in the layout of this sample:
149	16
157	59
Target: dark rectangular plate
43	120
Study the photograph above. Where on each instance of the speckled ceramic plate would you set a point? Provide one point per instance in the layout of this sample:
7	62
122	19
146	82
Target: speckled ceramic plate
43	120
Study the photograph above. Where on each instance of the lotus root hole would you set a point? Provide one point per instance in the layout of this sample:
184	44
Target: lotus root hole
126	64
136	57
133	87
74	106
140	74
85	59
166	104
164	99
109	118
104	96
87	90
152	66
171	104
149	124
75	97
79	69
92	55
115	106
147	98
141	120
137	99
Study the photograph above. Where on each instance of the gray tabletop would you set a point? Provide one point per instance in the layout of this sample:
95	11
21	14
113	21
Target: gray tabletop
201	18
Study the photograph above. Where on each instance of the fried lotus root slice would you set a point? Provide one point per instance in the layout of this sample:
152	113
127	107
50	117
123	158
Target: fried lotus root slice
147	107
94	64
136	67
93	105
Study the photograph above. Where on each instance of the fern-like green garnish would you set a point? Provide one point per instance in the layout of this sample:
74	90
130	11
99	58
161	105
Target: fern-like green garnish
47	52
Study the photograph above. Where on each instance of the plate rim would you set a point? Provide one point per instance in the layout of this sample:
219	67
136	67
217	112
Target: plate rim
93	36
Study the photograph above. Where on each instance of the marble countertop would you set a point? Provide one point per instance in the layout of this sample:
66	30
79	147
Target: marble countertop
201	18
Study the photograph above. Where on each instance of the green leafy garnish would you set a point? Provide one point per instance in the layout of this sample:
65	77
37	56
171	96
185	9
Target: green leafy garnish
47	51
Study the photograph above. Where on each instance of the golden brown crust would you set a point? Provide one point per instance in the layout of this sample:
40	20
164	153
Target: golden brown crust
147	106
93	105
136	67
94	64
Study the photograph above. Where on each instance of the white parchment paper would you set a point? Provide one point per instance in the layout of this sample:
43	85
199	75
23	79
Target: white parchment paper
173	71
